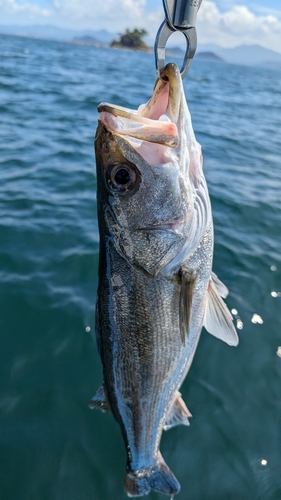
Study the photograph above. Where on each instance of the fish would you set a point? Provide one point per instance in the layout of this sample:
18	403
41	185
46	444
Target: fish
156	286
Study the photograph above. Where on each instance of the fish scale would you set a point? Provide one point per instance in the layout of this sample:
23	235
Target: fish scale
140	345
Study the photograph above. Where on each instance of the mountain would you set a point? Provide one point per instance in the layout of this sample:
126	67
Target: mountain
208	56
203	56
53	33
247	55
173	52
88	40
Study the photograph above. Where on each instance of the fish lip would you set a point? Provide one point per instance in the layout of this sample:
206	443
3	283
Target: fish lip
170	76
116	110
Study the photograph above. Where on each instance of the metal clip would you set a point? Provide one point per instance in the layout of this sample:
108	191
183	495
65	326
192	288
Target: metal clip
180	16
164	33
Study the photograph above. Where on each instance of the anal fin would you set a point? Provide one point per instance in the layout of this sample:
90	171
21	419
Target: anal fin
99	400
178	413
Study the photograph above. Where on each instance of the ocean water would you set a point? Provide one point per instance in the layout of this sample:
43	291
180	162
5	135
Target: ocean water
52	447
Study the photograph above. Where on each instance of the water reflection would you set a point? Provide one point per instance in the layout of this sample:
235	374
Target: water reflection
257	319
239	322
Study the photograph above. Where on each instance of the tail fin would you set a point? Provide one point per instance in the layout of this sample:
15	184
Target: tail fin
136	486
158	478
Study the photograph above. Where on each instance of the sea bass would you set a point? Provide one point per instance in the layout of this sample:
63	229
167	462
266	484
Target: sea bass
156	286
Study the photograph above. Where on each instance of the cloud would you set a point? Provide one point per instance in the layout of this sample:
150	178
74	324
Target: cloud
237	26
12	8
113	15
231	26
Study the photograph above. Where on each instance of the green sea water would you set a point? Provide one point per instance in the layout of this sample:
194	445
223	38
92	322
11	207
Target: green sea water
52	447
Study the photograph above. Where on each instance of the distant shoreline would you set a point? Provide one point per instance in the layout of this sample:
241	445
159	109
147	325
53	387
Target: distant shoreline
176	52
254	56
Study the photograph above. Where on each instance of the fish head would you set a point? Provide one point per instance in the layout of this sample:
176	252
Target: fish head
149	174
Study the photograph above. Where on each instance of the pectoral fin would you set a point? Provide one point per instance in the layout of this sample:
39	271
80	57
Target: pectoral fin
178	414
99	400
218	320
185	306
220	286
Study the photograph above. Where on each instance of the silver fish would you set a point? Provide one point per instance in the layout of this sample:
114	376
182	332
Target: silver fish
156	287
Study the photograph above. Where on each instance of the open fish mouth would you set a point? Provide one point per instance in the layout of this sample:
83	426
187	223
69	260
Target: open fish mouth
154	122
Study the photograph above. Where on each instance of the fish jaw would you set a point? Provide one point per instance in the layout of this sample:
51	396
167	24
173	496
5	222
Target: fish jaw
155	121
163	121
144	129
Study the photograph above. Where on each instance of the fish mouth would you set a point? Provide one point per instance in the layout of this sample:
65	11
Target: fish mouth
154	122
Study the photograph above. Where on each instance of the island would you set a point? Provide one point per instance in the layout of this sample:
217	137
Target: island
131	40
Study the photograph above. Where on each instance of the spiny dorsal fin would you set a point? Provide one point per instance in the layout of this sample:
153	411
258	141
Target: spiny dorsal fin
99	401
218	320
178	414
220	286
187	288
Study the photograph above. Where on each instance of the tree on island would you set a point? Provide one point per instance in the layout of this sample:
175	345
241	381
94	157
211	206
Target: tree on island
131	40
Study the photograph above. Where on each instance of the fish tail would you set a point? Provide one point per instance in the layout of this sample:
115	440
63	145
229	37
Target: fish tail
136	486
158	478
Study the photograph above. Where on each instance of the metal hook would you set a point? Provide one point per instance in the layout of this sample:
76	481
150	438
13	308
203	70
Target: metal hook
164	33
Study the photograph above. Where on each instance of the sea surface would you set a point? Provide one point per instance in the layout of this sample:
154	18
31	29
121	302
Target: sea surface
52	447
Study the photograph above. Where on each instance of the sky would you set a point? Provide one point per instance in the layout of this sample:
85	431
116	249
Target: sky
227	23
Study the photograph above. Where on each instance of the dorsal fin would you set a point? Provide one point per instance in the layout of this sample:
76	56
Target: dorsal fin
218	320
187	288
99	400
178	414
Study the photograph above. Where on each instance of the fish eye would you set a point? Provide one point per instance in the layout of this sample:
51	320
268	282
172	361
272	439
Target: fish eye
123	178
